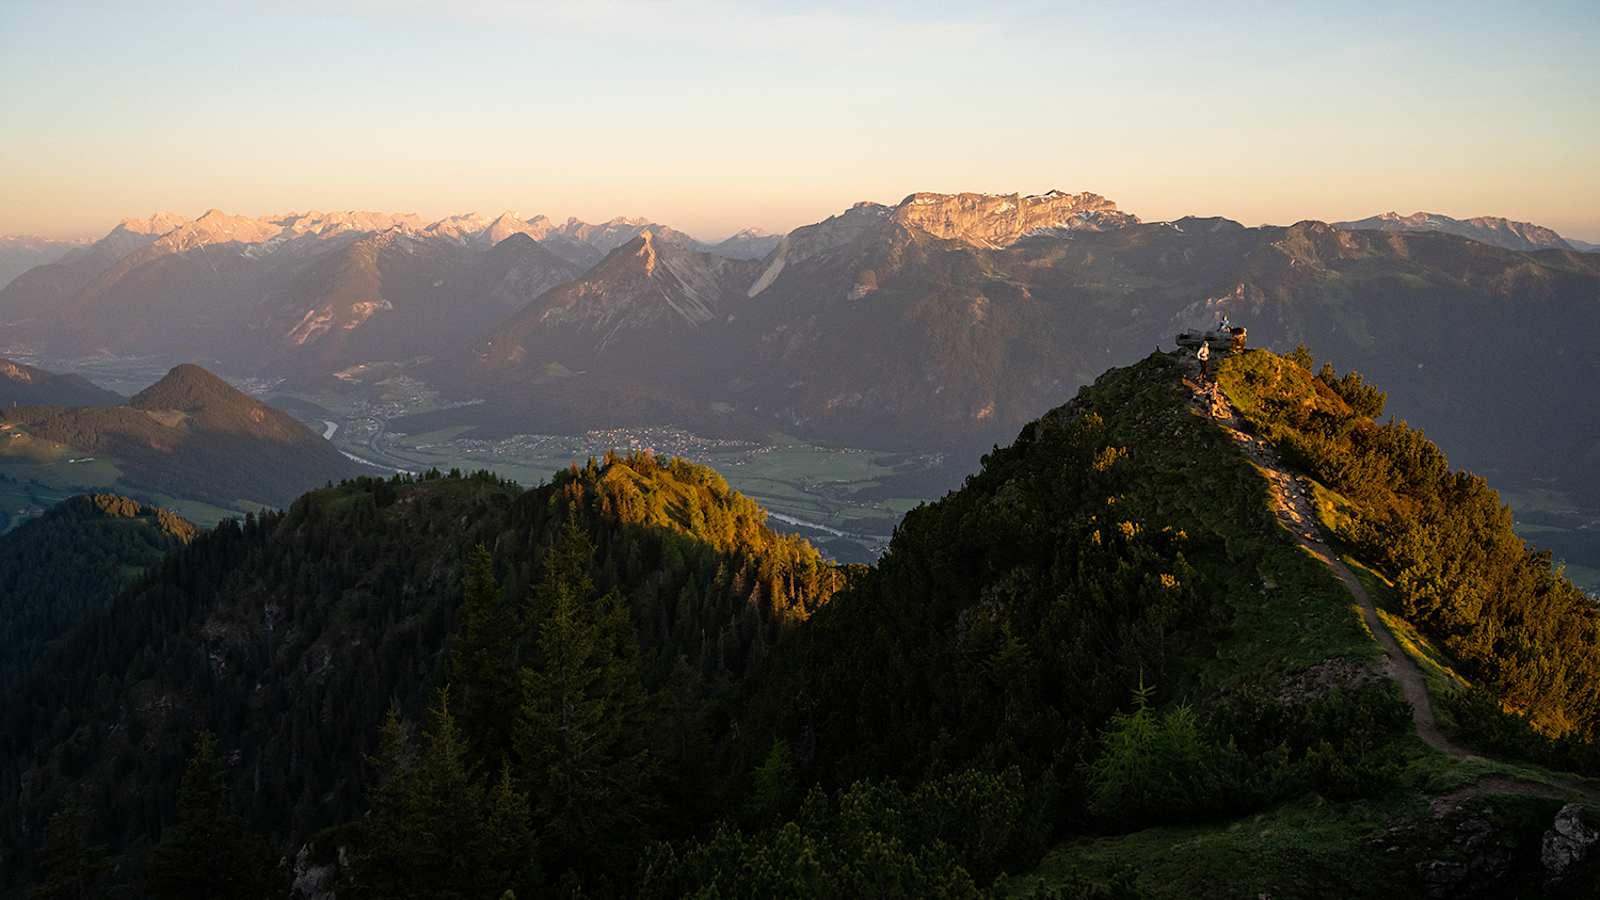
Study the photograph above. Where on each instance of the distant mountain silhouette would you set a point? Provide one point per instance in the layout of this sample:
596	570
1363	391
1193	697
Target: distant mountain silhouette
1496	230
190	435
21	253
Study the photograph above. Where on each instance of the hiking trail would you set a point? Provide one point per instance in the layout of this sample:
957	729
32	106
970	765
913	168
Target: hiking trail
1291	503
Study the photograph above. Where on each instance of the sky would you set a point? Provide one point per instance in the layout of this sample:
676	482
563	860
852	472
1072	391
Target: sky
711	116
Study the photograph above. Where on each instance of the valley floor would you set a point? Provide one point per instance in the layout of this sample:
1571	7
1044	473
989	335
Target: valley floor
846	500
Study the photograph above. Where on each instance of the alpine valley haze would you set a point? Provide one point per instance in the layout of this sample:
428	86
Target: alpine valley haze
1006	451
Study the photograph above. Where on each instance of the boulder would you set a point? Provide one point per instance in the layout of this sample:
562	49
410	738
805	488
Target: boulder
1569	843
314	878
1476	857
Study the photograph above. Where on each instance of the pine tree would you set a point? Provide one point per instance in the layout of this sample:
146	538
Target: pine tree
1302	357
681	741
208	852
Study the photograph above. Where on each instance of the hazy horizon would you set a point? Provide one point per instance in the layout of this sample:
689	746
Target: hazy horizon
95	233
713	117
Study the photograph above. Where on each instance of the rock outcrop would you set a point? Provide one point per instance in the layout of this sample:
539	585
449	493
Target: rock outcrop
999	220
1474	856
1495	845
317	878
1569	844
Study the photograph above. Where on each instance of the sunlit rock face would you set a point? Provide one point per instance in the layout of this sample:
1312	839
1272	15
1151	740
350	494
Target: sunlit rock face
999	220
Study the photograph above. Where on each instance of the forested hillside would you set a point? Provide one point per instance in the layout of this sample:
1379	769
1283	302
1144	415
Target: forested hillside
290	635
1444	538
1081	632
622	683
69	563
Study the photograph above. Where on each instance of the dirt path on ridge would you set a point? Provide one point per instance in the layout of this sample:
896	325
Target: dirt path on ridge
1292	503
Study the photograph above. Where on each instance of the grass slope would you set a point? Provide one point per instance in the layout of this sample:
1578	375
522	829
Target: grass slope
1300	615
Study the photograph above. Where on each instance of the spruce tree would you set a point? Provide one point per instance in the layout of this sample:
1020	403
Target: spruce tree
384	860
580	736
507	848
483	664
208	852
435	829
447	848
72	868
774	784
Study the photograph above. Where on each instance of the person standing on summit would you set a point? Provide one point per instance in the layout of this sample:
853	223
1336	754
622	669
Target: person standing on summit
1204	355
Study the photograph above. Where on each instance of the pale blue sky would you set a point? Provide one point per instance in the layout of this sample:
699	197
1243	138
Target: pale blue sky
711	115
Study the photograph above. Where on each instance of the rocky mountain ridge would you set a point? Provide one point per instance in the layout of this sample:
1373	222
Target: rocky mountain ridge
174	232
1497	231
945	320
1000	220
871	317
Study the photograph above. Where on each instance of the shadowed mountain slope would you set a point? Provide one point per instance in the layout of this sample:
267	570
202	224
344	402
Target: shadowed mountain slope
191	434
20	253
68	564
870	330
290	634
23	385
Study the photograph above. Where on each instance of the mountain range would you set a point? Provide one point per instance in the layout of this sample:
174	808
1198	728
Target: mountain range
289	293
870	329
945	320
19	253
1495	230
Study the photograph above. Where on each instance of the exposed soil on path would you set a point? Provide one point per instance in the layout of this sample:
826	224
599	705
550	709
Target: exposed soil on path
1292	504
1501	785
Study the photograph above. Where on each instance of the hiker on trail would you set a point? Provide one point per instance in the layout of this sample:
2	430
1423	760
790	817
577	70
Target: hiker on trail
1204	355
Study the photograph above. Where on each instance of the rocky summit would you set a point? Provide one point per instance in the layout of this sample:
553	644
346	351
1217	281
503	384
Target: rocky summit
1000	220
